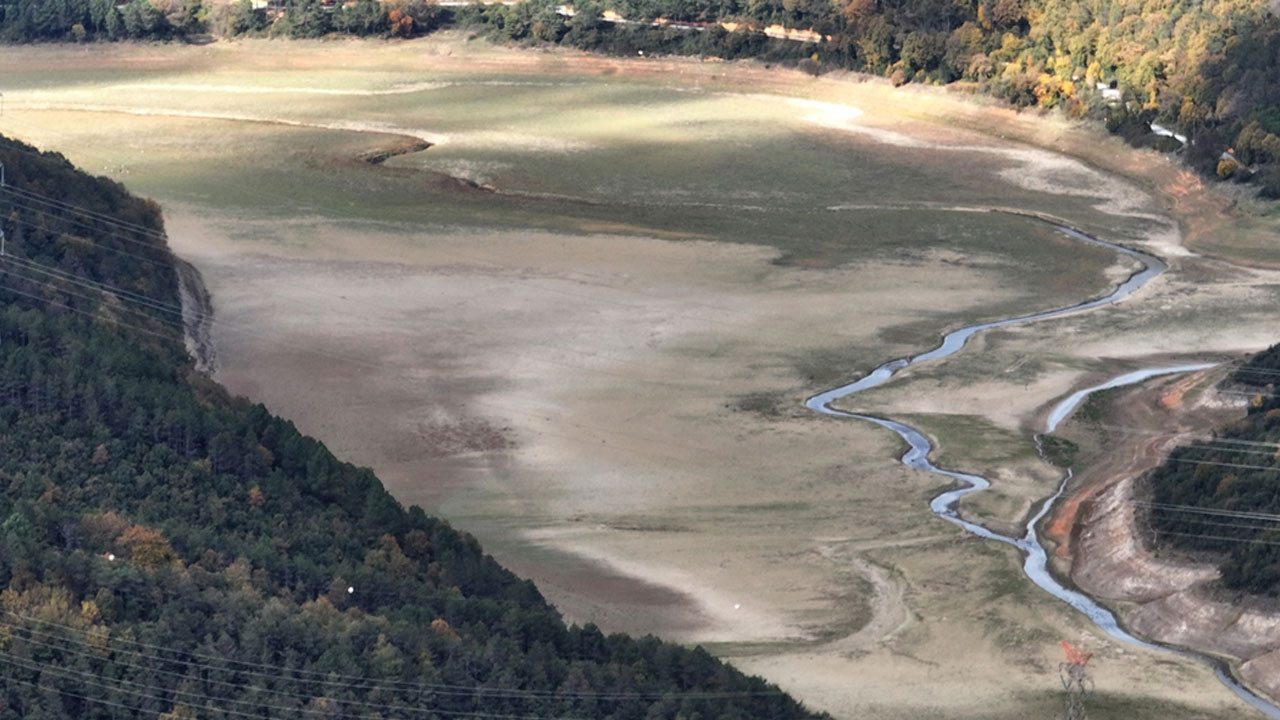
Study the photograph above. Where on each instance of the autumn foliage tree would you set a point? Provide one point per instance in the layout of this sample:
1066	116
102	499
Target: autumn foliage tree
401	25
407	18
147	547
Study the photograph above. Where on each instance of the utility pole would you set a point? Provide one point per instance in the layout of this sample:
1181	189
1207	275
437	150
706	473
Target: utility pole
1	182
1076	680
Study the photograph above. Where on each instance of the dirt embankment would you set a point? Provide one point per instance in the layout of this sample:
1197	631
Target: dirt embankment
197	316
405	146
1098	541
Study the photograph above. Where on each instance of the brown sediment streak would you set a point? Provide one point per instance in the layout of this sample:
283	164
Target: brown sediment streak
360	127
380	156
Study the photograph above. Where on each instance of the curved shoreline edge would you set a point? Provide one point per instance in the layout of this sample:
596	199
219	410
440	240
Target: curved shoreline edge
1035	562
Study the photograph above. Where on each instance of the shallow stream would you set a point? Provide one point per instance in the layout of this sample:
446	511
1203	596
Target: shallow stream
1035	563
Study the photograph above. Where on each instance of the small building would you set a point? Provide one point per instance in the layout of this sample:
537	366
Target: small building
1109	93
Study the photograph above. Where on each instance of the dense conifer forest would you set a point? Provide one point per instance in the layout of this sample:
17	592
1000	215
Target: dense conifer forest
1220	495
169	551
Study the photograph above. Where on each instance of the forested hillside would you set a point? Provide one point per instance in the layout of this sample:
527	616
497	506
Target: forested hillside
92	20
1222	495
1209	69
166	550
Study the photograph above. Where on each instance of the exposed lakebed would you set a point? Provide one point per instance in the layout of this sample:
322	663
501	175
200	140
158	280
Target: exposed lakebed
944	505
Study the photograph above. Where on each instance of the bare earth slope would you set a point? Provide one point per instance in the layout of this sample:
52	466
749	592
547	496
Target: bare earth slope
1100	545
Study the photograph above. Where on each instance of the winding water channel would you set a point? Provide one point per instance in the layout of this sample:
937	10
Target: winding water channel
1035	563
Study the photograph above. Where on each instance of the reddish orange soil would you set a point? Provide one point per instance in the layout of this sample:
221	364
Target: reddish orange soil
1144	425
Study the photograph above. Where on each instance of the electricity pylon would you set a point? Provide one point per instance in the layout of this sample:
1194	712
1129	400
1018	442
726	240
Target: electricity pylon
1076	680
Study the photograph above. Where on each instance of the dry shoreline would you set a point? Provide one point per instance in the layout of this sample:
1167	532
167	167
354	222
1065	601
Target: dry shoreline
1098	547
701	604
618	416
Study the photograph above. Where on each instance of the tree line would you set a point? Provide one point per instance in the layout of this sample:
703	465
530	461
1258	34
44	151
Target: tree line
169	550
1209	71
109	20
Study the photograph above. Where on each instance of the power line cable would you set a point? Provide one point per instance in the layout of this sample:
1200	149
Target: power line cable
53	272
335	678
1247	393
1224	449
348	359
594	299
53	208
584	432
1224	538
82	679
1218	523
1241	466
57	283
346	680
145	690
50	204
28	193
1243	367
95	316
1252	515
663	441
135	708
559	348
167	264
376	366
372	683
215	321
86	228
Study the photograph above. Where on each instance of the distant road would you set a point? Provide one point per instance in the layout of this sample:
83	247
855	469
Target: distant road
776	31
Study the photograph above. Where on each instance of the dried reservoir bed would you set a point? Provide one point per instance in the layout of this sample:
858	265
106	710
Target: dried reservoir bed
580	325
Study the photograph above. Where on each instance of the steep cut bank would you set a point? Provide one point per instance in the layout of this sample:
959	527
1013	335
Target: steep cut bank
1218	495
1103	543
169	550
197	317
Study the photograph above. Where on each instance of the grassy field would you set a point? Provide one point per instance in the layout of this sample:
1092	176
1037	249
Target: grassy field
581	323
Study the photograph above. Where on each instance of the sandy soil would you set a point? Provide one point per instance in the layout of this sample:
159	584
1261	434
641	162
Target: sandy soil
619	417
597	397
